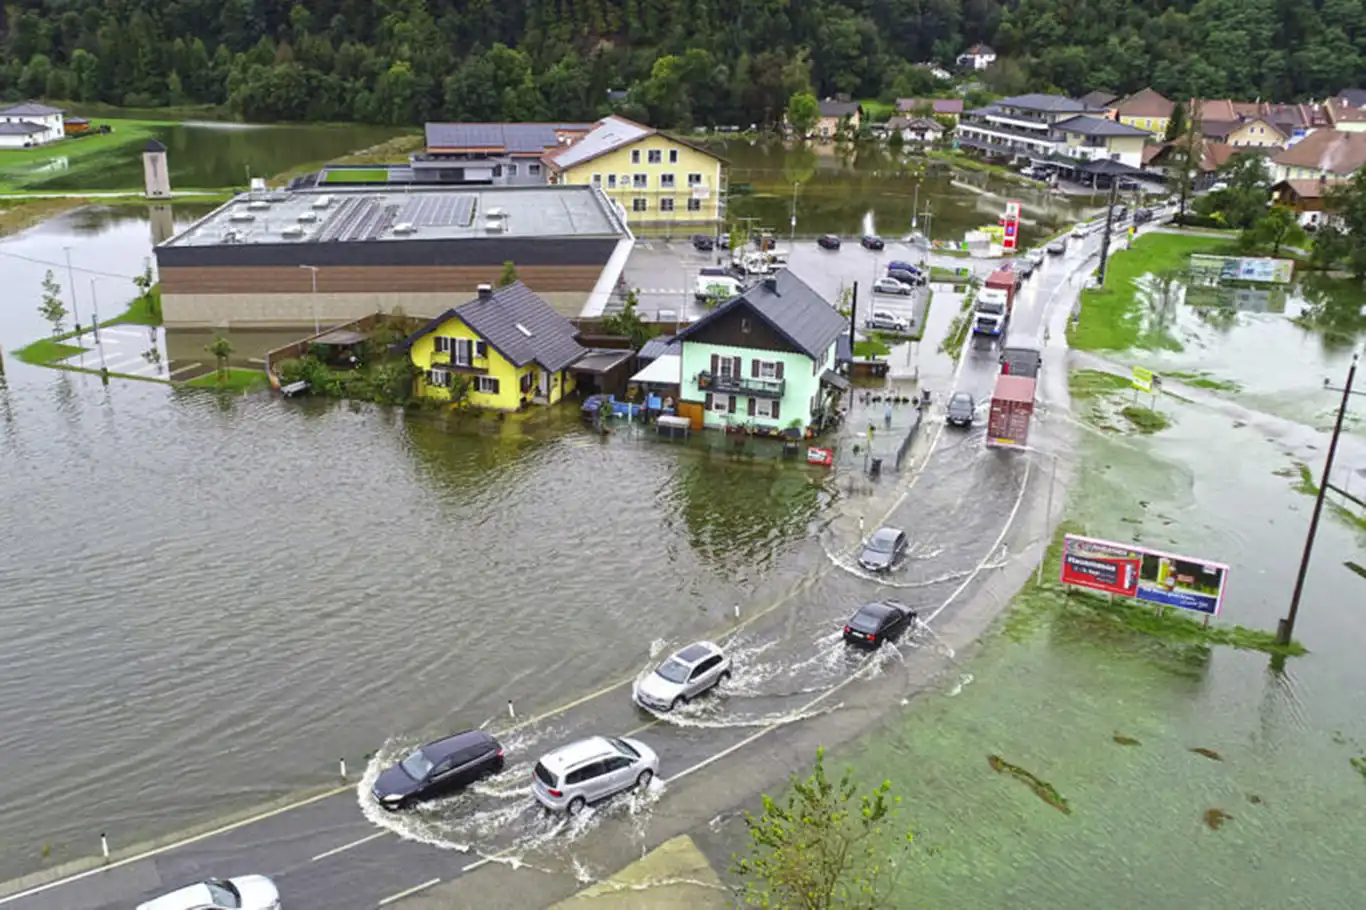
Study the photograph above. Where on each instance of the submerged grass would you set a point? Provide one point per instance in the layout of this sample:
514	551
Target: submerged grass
1042	789
1308	485
1094	383
45	351
236	380
957	334
1146	420
1203	380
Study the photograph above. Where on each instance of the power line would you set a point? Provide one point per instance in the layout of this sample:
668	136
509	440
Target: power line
61	265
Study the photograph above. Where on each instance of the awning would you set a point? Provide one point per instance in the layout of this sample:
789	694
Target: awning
831	378
601	361
339	338
666	370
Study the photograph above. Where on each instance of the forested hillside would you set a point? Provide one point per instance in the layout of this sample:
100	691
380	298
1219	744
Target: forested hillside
685	62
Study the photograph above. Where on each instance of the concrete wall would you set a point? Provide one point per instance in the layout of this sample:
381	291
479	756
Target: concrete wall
296	310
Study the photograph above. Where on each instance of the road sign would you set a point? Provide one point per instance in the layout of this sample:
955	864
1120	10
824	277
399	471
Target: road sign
1151	576
1143	379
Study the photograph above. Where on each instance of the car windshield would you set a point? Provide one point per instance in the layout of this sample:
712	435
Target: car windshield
960	401
869	619
881	543
223	894
673	671
986	306
623	747
416	765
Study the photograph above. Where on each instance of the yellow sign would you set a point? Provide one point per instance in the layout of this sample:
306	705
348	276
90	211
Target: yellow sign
1143	379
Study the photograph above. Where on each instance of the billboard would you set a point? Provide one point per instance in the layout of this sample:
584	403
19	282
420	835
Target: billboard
1150	576
1143	379
1270	271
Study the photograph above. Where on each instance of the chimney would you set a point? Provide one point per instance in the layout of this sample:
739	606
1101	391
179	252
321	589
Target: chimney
485	291
771	283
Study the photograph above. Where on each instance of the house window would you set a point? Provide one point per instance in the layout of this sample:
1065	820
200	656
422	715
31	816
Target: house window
764	408
533	169
625	179
694	180
744	326
439	378
656	156
666	181
528	380
597	180
720	403
512	170
611	181
673	156
725	366
640	181
768	369
694	205
461	351
635	156
486	384
666	205
640	204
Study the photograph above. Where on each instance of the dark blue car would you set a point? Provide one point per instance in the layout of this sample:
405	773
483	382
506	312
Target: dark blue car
438	769
898	265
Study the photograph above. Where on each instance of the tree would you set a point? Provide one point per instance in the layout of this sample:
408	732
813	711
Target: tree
52	308
1176	126
1345	237
1246	193
803	110
829	846
1280	226
628	323
1186	156
221	349
509	275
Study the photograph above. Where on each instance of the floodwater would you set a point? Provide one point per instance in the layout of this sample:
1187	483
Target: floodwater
200	155
870	189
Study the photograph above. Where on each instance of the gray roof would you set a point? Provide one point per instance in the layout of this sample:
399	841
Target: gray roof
21	128
609	134
31	109
791	307
1098	98
512	138
832	108
1108	167
1052	104
549	339
656	348
914	123
1097	126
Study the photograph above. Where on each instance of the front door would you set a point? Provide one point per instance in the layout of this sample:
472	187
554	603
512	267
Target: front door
544	384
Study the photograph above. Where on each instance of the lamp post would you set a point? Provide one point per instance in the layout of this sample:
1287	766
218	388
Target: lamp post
792	238
1285	629
71	277
317	329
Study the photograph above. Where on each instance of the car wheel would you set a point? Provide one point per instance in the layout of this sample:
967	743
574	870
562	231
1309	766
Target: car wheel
643	779
678	702
576	805
724	678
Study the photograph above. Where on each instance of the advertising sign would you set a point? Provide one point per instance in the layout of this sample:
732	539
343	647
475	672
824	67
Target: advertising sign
1270	271
1143	379
820	456
1150	576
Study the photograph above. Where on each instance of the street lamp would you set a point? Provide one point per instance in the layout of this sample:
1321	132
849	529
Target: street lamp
71	277
317	329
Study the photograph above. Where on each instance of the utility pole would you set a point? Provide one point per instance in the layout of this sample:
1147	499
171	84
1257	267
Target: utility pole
317	329
1105	238
792	239
915	207
1285	629
853	316
71	277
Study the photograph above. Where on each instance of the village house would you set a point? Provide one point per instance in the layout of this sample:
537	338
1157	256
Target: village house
1147	110
1100	101
1158	159
1307	198
838	117
1050	127
1326	154
29	124
977	57
951	108
916	130
1344	116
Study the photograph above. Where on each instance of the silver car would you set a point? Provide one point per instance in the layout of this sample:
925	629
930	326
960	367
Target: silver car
685	675
591	770
246	892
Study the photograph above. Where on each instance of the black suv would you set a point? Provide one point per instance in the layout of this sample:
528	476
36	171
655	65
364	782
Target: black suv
828	242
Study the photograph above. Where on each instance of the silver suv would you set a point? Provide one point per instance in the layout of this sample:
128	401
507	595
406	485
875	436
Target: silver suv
590	770
685	675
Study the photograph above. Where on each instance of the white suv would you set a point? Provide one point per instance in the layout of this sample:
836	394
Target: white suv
685	675
590	770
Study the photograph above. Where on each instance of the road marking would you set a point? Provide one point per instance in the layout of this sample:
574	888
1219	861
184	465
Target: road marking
344	847
186	369
167	848
409	893
126	332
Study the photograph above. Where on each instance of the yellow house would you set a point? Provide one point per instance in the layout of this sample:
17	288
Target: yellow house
838	115
657	179
1146	110
506	348
1256	132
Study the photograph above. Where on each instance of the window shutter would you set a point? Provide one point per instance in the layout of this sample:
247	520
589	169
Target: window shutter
730	404
481	349
739	368
754	368
494	390
715	364
710	401
753	403
775	410
778	369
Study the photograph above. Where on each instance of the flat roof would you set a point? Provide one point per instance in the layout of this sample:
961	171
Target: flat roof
365	214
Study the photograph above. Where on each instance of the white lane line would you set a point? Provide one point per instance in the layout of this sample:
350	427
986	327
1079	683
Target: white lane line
167	848
186	369
126	332
344	847
409	893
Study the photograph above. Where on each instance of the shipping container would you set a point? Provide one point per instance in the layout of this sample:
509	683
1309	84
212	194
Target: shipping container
1007	280
1012	407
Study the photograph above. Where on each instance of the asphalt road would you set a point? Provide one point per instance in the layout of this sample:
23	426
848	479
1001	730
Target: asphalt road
342	852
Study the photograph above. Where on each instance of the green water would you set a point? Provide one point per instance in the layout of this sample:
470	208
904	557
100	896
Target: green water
1050	693
200	155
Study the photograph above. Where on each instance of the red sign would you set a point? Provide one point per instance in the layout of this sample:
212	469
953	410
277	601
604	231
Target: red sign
1151	576
1011	223
1101	569
820	456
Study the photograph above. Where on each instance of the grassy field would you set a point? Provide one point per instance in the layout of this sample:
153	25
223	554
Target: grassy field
358	175
47	350
237	380
20	214
391	151
1112	316
875	111
124	131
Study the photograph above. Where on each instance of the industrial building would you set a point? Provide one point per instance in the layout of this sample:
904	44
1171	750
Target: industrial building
276	259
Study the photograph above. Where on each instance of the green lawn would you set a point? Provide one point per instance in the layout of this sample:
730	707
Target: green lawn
358	175
873	347
123	132
142	311
1112	316
47	350
875	111
236	381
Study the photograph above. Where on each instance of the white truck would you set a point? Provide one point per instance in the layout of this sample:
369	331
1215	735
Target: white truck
990	312
716	287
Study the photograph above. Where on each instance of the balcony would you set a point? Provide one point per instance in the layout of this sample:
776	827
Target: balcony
740	385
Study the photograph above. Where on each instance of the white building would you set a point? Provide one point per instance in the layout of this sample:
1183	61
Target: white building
30	124
977	57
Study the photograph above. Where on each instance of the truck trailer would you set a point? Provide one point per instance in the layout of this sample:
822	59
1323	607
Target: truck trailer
1012	408
995	303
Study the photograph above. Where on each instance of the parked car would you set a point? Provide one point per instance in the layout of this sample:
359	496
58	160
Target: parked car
1143	216
723	241
884	550
1024	268
703	243
874	623
1058	247
686	674
962	409
245	892
439	769
828	242
872	242
884	321
1081	231
591	770
903	266
1036	256
915	278
891	286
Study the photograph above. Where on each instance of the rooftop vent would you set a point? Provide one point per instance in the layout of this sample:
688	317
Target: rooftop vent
405	228
308	217
524	330
231	236
257	205
494	226
258	184
241	216
322	202
495	213
485	291
771	283
292	230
